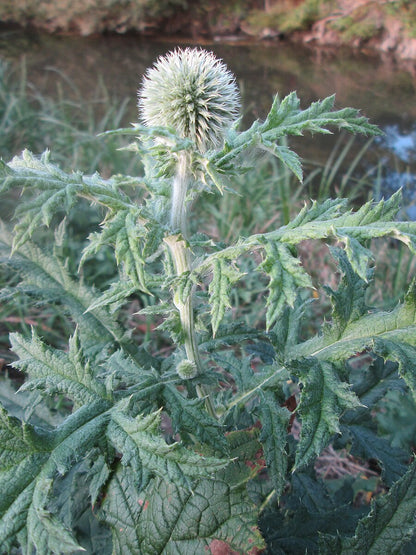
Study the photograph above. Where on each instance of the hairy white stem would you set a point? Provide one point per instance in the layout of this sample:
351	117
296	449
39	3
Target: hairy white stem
178	220
182	257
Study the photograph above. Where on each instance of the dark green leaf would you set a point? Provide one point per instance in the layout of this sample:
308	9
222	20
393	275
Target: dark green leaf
188	415
323	399
121	509
274	421
141	445
223	277
367	445
391	523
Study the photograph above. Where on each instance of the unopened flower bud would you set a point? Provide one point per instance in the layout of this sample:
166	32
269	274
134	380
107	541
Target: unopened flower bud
186	369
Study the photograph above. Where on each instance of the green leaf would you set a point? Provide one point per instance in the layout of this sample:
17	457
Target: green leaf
54	371
397	349
115	295
216	513
310	492
188	415
358	255
228	334
137	439
223	276
285	334
371	331
45	277
328	220
391	523
323	398
375	381
23	453
45	531
31	459
274	420
286	118
99	473
250	384
307	511
128	233
126	377
55	191
121	509
286	275
288	158
367	445
348	301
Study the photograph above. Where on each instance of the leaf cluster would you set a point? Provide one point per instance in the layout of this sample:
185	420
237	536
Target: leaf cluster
139	458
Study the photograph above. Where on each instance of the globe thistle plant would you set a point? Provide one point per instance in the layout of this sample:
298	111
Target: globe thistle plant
190	448
193	92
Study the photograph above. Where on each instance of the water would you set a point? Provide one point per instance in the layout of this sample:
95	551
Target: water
382	90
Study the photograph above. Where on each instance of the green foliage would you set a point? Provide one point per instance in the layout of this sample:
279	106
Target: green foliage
220	456
390	524
289	16
138	12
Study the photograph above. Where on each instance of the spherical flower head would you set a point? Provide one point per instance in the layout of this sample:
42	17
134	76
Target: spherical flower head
186	369
193	92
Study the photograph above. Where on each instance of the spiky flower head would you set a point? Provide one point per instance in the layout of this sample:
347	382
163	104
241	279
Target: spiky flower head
193	92
186	369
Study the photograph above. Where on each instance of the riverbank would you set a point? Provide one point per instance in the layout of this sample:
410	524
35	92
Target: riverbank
387	26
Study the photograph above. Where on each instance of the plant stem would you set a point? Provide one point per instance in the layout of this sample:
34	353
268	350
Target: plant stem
182	257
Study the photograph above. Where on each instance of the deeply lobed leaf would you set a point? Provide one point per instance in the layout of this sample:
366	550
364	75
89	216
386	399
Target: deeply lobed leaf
323	398
141	446
54	371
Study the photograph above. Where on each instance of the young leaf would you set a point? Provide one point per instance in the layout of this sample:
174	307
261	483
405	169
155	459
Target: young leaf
286	118
126	232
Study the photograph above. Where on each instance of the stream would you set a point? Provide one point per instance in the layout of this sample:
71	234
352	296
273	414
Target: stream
380	88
